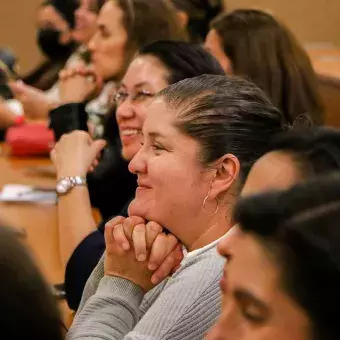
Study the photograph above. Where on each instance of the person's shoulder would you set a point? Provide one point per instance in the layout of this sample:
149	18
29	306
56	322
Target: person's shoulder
207	258
201	270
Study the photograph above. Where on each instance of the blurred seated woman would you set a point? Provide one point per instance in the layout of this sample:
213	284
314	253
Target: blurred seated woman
196	16
54	36
199	140
28	309
123	28
295	156
55	22
154	67
83	21
253	44
283	273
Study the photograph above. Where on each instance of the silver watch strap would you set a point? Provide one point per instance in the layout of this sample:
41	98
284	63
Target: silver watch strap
77	180
66	184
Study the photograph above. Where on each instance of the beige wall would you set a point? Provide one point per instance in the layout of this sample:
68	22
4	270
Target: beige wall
310	20
17	30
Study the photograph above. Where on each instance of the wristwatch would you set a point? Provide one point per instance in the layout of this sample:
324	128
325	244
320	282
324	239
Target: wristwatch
65	184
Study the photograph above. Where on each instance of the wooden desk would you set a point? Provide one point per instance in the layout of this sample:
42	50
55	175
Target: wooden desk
39	221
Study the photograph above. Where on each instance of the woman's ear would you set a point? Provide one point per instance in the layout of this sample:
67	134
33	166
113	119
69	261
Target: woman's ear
183	18
227	172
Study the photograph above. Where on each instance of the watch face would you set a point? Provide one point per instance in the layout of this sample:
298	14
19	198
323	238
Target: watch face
63	186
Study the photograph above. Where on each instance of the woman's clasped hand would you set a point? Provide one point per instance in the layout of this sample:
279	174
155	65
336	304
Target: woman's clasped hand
140	251
79	83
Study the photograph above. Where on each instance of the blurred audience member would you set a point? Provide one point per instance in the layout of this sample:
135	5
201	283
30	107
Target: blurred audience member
195	16
253	44
54	36
122	30
295	156
86	20
283	273
28	309
37	104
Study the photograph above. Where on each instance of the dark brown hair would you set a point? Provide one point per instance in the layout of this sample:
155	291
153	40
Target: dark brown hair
266	52
182	60
147	21
225	115
200	13
27	308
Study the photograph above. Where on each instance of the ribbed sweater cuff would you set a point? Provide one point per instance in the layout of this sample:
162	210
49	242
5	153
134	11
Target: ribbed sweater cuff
112	285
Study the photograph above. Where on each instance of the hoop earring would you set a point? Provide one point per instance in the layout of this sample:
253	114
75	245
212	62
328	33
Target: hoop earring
217	205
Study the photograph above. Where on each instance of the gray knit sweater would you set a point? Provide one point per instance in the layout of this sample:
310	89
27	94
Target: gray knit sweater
183	307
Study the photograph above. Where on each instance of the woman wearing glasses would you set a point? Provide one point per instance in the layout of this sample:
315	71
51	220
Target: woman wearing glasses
156	66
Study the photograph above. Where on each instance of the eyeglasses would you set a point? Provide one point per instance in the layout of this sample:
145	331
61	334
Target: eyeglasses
135	97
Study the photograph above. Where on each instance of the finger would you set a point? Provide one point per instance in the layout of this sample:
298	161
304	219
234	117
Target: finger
161	248
130	223
172	242
53	155
164	269
179	256
17	87
97	146
90	169
99	82
158	252
152	230
119	236
95	163
169	265
178	252
114	221
139	242
108	234
61	75
88	72
66	73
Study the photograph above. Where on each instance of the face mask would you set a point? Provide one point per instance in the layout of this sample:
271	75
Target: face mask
48	41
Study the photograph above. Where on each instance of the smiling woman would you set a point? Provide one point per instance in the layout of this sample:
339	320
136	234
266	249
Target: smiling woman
199	139
156	66
254	44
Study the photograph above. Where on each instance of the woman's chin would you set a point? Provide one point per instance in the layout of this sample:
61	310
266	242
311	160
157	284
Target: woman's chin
137	208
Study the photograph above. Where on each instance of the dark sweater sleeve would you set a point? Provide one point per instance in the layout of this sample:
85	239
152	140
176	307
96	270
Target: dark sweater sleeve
67	118
83	260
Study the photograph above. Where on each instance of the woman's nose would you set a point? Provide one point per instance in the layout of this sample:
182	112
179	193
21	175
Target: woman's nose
125	110
138	165
92	44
